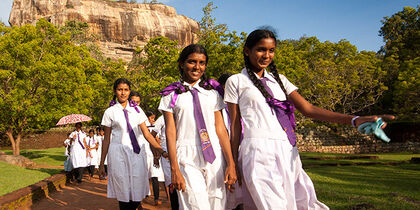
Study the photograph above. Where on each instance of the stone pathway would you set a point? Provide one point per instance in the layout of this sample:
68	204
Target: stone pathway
91	194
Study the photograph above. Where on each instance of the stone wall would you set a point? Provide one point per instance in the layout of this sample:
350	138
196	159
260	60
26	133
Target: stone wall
349	140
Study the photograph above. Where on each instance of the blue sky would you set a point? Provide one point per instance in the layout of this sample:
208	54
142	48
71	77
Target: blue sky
357	21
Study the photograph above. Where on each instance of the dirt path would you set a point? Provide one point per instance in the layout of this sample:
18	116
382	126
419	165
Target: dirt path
91	195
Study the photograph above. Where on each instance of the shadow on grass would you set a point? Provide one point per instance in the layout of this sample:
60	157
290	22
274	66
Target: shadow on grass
368	187
42	154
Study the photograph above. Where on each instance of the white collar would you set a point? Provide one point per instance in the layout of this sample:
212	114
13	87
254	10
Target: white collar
196	86
128	107
267	75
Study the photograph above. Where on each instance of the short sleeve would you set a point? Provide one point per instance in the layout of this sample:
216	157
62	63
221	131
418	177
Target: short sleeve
106	119
231	90
160	122
165	104
220	104
290	87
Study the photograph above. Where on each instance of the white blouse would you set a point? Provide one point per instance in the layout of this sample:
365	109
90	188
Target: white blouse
186	129
259	120
114	118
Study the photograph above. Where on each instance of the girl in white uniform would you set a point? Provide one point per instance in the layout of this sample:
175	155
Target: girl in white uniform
127	170
92	155
271	168
196	136
78	152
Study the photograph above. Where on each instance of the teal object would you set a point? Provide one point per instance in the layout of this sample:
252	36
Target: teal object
375	128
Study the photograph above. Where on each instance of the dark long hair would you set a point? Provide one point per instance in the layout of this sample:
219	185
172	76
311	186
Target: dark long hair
188	50
252	39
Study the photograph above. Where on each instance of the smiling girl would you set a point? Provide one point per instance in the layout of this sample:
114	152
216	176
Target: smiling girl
271	167
197	140
125	130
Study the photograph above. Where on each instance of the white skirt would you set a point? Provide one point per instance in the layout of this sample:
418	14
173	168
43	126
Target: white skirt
205	187
78	157
93	161
153	171
127	174
274	177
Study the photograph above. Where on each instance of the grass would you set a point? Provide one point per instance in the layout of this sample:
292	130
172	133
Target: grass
48	163
366	187
339	187
14	177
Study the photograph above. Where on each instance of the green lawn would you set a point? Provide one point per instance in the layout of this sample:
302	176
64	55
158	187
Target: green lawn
51	156
339	187
13	177
383	158
366	187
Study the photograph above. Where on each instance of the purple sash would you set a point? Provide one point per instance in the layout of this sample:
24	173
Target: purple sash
284	112
178	86
206	146
78	139
134	143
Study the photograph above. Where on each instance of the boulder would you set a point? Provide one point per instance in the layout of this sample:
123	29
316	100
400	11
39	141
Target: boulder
17	160
120	26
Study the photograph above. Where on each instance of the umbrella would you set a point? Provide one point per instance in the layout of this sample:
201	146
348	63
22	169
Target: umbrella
73	118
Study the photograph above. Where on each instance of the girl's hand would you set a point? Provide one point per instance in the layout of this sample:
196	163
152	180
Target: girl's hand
102	171
156	161
230	177
165	155
363	119
178	180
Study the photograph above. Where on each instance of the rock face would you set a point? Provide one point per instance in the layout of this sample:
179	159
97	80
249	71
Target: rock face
121	26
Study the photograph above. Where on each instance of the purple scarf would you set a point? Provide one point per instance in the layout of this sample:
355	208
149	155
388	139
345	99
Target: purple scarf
78	139
134	143
178	87
206	146
284	112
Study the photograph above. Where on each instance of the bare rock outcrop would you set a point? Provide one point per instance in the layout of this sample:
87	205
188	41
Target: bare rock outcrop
17	160
121	26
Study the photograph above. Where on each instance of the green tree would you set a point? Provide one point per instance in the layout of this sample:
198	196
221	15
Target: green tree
334	76
401	34
42	78
153	68
224	48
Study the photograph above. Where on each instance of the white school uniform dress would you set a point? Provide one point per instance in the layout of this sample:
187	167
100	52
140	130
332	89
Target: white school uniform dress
205	187
93	160
127	171
153	171
100	140
164	163
271	166
77	152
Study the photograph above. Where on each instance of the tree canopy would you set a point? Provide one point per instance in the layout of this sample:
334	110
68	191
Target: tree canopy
401	34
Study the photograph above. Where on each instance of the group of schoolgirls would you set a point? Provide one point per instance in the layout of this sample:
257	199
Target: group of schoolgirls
217	157
83	152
